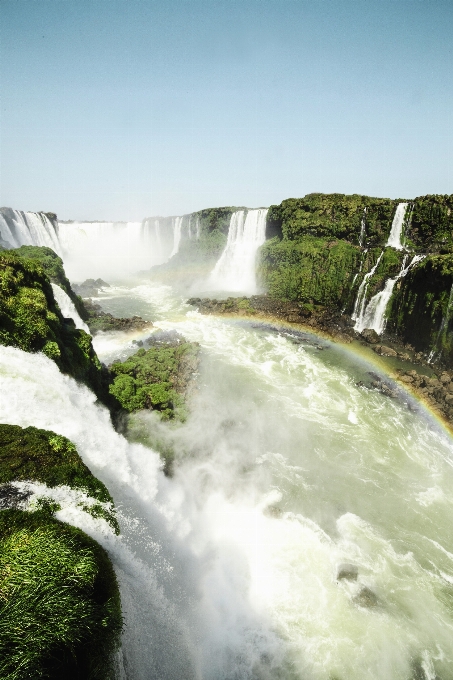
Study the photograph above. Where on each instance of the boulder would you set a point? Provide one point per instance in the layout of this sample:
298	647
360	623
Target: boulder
370	336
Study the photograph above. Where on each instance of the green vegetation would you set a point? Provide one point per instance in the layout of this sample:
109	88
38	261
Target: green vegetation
311	269
420	303
431	223
155	379
333	216
53	266
31	320
43	456
60	612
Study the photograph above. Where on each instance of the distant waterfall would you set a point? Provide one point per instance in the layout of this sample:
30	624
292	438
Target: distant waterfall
113	249
373	315
396	231
177	231
235	270
67	307
19	228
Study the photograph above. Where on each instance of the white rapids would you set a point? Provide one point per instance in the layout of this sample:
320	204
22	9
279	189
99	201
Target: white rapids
284	470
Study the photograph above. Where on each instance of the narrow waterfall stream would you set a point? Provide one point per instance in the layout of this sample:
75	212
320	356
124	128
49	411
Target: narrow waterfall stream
285	471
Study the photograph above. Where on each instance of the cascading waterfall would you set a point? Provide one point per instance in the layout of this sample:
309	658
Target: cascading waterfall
373	315
67	307
19	228
235	269
394	239
444	324
177	231
360	300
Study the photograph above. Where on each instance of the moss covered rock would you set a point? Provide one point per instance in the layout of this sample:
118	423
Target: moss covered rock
31	320
43	456
53	266
60	613
156	379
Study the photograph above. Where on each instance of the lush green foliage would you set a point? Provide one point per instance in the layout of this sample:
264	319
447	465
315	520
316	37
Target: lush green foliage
420	303
53	266
153	379
431	223
332	216
31	320
309	270
60	613
43	456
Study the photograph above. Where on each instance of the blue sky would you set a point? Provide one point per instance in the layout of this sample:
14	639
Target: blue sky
121	109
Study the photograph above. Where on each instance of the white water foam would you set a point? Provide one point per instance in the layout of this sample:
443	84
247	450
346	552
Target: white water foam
235	269
394	239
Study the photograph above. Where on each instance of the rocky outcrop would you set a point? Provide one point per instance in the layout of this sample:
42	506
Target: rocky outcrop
98	320
31	320
159	378
90	287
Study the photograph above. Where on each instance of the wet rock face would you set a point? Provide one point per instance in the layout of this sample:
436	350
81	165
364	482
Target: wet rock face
370	336
11	496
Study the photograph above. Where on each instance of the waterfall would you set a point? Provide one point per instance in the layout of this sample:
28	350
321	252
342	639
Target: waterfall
177	229
394	239
362	229
443	326
373	316
235	269
67	307
360	300
198	228
19	228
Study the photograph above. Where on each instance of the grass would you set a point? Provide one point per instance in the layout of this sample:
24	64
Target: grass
60	613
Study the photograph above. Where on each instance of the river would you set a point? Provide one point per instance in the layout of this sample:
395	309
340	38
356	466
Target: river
285	471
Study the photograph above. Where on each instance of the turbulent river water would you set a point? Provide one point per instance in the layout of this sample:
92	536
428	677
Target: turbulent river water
285	470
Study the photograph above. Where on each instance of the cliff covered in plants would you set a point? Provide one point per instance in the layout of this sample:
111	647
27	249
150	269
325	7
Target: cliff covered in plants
31	320
327	249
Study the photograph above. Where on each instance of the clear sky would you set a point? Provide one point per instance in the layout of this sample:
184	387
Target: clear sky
121	109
